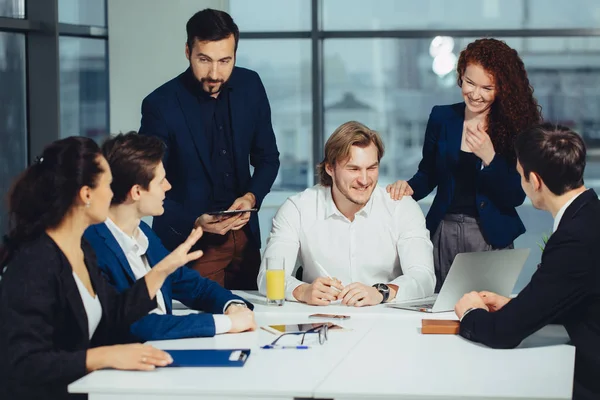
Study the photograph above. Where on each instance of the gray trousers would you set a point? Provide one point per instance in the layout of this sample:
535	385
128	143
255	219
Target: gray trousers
457	233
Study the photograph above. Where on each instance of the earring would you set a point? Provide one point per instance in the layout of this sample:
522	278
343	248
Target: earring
87	205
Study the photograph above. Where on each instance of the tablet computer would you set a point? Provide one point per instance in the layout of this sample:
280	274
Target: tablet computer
232	212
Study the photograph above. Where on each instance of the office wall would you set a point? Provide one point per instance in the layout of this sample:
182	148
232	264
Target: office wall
146	48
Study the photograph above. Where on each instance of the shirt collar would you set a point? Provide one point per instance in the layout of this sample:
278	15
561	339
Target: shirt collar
331	209
138	244
562	210
366	210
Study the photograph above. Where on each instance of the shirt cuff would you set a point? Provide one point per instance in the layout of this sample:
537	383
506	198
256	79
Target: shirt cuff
468	311
222	324
290	285
234	301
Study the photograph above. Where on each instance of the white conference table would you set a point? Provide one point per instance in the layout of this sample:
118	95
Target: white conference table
382	355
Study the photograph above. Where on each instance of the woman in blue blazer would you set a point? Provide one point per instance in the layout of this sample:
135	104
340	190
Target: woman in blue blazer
468	154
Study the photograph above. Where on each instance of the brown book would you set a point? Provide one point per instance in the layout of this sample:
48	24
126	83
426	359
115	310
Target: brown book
440	326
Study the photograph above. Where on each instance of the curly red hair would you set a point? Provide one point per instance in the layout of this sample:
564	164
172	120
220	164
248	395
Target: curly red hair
514	108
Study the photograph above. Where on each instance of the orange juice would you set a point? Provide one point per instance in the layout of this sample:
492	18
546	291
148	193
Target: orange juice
276	284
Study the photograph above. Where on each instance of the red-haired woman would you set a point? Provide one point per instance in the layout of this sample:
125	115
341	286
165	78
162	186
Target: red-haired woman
468	154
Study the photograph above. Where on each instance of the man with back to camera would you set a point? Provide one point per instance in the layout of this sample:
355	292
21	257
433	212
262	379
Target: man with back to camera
565	289
215	120
356	244
126	249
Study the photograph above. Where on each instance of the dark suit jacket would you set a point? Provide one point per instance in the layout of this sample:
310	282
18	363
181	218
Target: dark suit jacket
185	285
498	186
44	335
171	113
565	289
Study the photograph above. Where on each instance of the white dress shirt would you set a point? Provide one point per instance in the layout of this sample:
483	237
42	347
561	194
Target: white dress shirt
93	308
135	250
386	243
562	210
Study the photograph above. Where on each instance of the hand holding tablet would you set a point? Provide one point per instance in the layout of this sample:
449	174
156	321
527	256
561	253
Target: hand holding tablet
231	212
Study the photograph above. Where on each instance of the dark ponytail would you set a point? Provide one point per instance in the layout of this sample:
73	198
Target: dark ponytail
43	194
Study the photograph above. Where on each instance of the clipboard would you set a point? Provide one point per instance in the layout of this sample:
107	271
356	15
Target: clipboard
209	357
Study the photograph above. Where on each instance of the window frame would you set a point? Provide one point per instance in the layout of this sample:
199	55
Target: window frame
42	33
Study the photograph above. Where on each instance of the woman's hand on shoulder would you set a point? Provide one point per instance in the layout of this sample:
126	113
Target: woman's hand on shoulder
399	189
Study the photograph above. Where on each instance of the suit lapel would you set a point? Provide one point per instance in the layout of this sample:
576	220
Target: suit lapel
581	201
454	134
191	112
72	294
113	246
577	204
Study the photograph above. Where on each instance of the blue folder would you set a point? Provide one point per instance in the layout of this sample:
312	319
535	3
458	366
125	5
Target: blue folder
209	358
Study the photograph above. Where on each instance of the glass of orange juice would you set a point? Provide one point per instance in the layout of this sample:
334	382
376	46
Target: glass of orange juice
275	281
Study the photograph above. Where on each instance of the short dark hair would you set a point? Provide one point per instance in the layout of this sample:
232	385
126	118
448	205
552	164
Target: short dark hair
211	25
45	192
555	153
133	159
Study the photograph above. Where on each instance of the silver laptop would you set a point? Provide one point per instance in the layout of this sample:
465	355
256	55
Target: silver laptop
495	271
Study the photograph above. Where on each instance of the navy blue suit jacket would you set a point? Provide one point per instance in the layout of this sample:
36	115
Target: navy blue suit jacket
565	290
498	186
185	285
171	113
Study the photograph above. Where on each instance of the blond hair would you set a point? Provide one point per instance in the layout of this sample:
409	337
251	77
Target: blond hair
339	144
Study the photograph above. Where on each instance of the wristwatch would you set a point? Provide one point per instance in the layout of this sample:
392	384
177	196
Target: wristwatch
384	290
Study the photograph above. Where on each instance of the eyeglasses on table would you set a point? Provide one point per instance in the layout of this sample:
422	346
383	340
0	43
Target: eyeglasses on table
321	331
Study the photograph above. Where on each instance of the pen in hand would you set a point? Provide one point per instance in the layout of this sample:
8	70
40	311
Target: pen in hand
324	272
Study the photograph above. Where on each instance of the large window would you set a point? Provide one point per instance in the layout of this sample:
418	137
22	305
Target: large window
377	63
13	131
83	88
53	72
271	15
12	8
82	12
388	85
284	67
391	85
354	15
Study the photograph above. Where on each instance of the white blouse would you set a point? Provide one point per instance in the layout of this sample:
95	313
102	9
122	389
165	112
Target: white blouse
92	306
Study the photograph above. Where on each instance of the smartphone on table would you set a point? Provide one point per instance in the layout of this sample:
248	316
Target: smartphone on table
329	316
281	329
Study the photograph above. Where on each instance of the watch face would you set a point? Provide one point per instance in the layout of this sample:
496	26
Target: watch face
382	287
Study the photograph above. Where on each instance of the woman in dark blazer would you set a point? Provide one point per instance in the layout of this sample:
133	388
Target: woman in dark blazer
60	319
468	154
